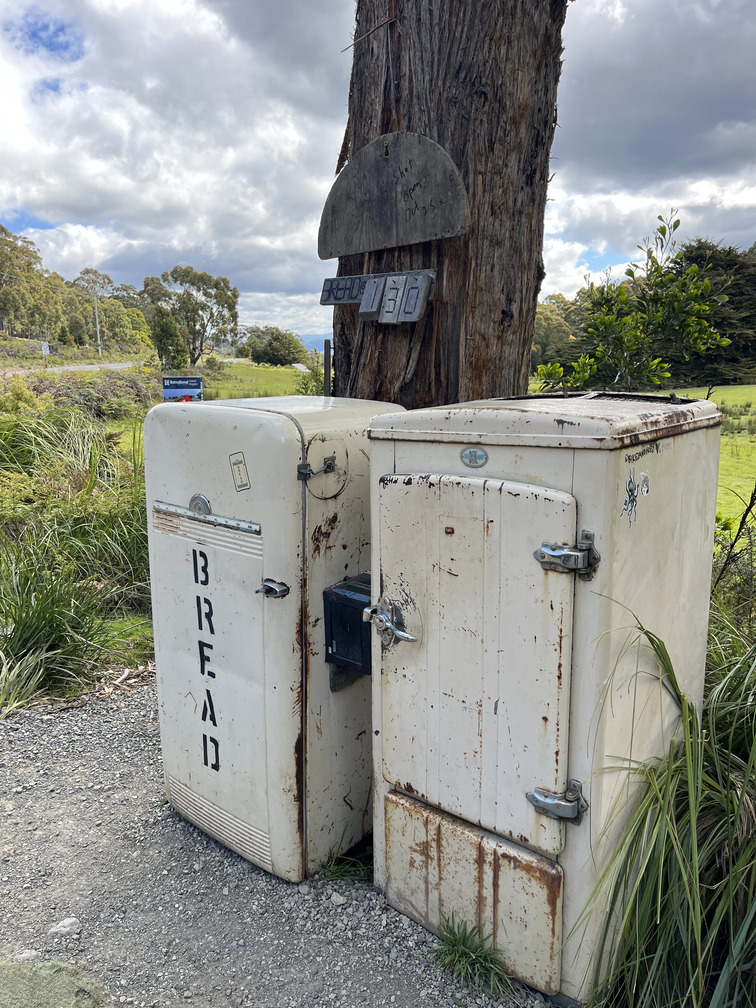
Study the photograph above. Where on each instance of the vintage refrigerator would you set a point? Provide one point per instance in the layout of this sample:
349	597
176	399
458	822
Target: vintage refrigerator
515	544
255	507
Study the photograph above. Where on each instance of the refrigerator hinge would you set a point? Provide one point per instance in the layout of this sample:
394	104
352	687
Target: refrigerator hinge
570	806
582	558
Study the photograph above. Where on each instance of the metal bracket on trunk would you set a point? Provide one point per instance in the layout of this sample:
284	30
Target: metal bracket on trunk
305	470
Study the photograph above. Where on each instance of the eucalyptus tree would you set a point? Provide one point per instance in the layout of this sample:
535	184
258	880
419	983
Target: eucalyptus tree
203	306
480	80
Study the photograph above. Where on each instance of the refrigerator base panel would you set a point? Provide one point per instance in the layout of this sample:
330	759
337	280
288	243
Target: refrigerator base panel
438	865
253	844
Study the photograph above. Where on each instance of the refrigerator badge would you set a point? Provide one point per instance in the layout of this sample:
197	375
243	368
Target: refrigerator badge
474	458
239	471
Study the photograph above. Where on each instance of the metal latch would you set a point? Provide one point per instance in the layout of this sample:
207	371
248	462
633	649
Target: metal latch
583	557
571	805
384	620
273	589
305	470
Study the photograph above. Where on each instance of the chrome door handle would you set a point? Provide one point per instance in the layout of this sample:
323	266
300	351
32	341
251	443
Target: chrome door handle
383	618
273	589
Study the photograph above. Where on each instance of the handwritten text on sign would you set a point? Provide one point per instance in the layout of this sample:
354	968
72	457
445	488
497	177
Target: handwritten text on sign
401	189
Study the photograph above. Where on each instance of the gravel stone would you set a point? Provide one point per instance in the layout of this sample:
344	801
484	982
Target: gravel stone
163	914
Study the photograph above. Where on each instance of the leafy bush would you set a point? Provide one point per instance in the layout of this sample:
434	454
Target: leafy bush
660	311
104	394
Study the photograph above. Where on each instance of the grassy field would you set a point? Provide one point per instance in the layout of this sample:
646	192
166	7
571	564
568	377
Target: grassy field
737	457
248	381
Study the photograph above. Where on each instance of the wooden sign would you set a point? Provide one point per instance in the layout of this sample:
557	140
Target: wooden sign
403	188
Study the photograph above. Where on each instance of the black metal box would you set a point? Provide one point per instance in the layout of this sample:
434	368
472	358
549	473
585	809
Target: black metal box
347	636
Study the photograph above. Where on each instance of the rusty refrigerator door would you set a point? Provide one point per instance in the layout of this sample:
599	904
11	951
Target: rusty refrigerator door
515	544
475	705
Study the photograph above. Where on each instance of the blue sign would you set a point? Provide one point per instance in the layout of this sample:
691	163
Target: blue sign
187	389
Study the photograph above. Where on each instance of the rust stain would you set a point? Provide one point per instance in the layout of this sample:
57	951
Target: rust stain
409	789
480	864
561	423
495	870
420	850
439	855
322	533
299	778
548	877
346	801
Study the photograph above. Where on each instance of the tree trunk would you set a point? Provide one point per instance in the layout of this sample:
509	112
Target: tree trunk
479	78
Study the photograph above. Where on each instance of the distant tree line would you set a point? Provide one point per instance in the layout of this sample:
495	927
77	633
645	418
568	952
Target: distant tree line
683	316
36	303
184	314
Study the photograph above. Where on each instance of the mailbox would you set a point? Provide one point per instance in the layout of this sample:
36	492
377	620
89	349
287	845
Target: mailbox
347	635
515	543
255	507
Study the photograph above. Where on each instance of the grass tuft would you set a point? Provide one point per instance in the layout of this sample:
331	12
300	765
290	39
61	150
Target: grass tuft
349	867
471	958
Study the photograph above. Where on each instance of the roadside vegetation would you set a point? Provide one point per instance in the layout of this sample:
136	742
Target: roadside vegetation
682	882
74	570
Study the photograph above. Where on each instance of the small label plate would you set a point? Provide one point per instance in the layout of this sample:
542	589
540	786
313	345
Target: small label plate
474	458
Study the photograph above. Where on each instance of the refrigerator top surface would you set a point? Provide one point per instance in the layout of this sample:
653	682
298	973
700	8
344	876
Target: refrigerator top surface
589	420
293	405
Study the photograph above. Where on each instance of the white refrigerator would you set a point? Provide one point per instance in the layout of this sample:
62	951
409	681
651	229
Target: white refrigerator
515	544
256	506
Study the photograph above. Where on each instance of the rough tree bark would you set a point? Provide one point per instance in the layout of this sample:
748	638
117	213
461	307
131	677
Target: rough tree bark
479	78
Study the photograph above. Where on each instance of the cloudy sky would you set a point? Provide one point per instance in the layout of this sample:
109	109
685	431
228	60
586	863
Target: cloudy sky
139	134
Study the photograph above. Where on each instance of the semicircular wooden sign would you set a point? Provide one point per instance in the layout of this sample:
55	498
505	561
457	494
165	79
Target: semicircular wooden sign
401	189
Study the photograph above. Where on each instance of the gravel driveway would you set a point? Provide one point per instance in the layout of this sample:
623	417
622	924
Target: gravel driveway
167	916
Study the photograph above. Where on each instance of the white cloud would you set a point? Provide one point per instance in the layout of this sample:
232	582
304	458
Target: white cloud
206	132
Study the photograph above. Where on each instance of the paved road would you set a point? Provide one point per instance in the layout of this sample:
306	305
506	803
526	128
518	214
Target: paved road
76	367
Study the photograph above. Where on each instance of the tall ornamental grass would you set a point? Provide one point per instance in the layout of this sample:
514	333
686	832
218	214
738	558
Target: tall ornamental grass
73	547
681	885
53	633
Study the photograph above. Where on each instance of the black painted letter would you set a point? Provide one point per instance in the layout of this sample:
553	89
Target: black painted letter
205	658
201	571
215	765
208	614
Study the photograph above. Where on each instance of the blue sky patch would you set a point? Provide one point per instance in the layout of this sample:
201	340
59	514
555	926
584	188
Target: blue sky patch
37	32
47	87
18	221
